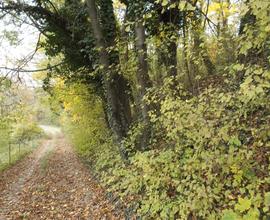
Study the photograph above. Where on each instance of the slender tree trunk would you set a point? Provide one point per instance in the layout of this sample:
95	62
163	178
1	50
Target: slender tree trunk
160	66
185	58
199	46
172	59
142	73
168	56
124	42
143	80
170	22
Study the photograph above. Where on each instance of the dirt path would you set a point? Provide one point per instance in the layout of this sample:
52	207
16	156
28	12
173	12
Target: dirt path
52	184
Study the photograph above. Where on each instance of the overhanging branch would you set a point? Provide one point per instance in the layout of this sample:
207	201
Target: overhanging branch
31	71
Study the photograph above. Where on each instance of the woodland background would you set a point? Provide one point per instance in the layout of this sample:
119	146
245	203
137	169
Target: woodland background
167	100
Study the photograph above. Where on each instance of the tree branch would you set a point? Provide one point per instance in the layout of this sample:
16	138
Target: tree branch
32	71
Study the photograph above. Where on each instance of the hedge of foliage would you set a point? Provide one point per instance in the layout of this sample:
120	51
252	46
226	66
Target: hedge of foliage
209	157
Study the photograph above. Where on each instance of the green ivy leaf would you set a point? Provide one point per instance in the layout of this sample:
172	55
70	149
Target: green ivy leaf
182	5
252	214
235	141
127	29
229	215
190	7
243	205
164	3
267	199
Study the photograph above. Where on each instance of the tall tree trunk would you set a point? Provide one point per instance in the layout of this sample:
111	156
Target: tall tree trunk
114	84
167	56
169	20
172	58
124	42
143	80
201	50
120	83
185	56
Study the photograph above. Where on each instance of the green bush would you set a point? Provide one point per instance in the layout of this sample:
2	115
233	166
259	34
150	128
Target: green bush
213	162
26	132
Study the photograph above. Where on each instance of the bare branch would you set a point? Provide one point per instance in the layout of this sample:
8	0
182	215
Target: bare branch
32	71
206	13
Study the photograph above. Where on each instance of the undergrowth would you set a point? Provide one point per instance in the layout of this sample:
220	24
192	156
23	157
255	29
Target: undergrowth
212	160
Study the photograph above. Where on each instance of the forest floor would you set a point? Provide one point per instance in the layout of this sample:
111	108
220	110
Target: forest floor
52	183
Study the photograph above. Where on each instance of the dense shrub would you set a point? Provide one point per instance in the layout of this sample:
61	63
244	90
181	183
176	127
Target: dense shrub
213	160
